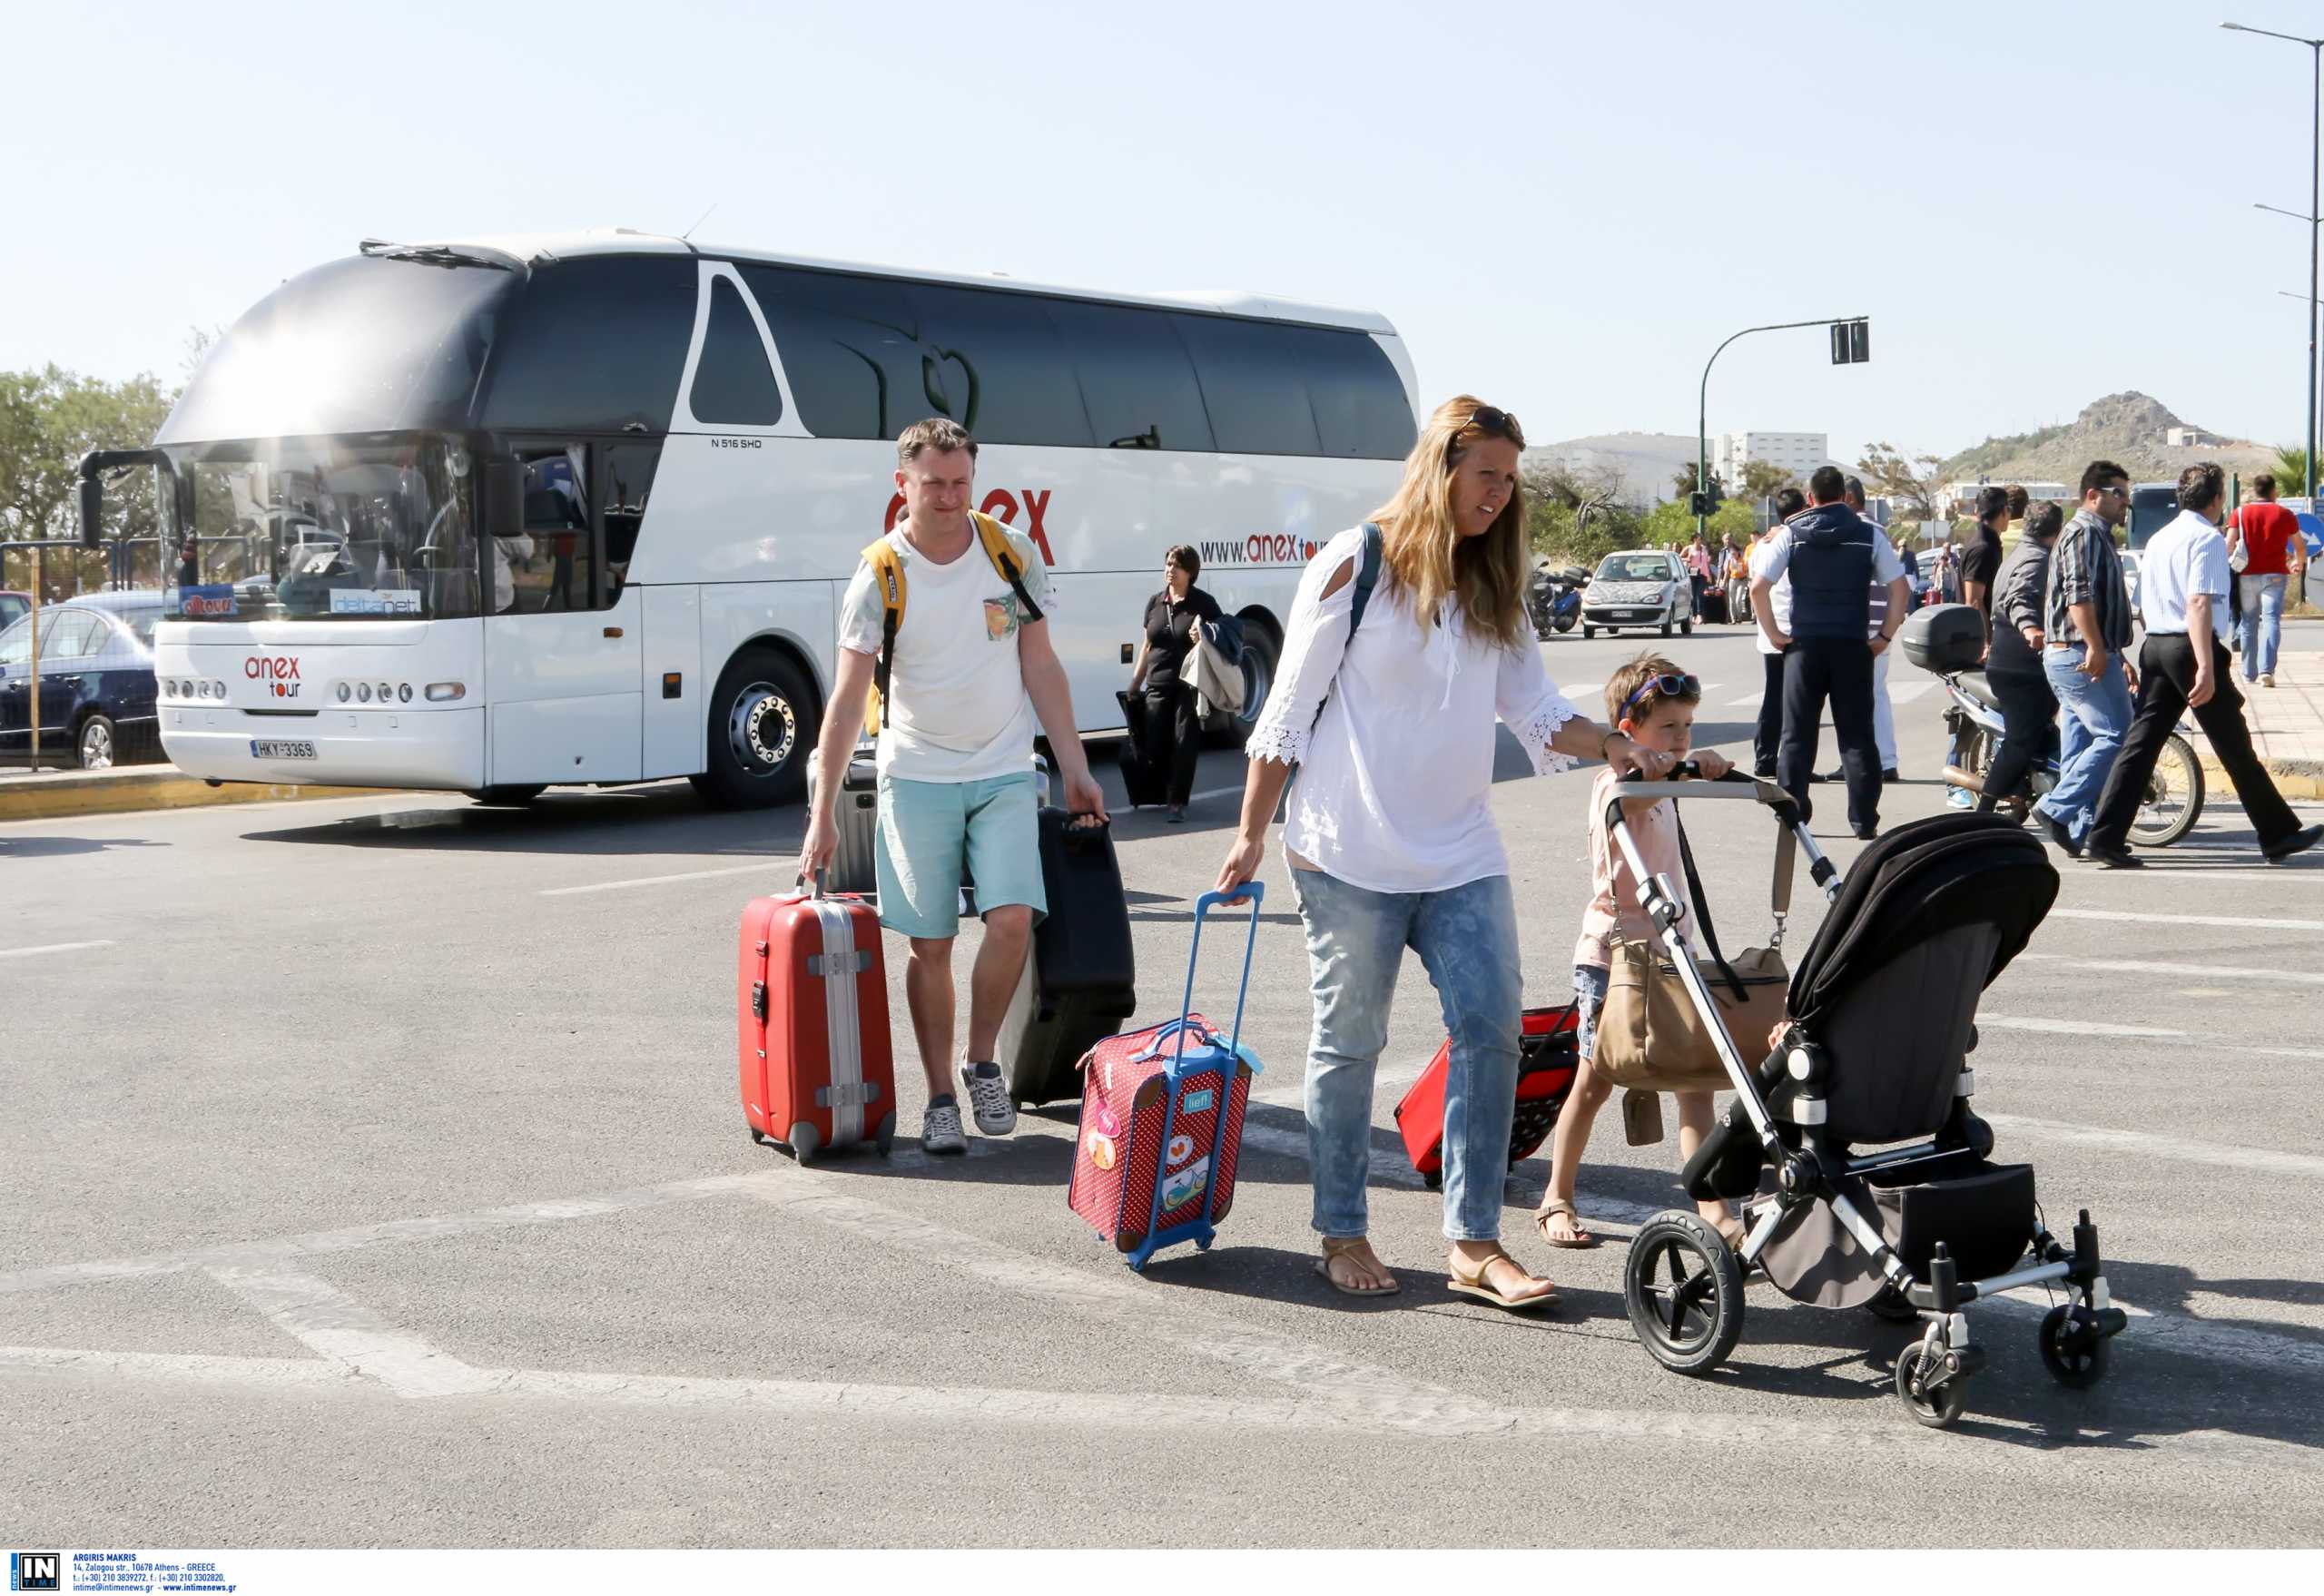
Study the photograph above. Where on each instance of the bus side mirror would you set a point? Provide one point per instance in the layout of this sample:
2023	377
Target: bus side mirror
504	498
93	511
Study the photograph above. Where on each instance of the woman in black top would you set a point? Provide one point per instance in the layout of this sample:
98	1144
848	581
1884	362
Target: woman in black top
1173	738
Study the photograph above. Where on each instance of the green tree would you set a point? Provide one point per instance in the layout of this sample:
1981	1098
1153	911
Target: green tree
1909	479
1764	478
2292	471
48	420
1685	481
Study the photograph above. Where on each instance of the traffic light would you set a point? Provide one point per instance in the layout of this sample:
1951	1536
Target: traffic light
1698	504
1851	342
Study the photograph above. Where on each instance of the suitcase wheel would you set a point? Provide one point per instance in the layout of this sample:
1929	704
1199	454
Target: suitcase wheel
758	1136
805	1141
1435	1178
887	1135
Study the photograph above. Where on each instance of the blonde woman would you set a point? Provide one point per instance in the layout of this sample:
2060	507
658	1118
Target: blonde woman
1389	720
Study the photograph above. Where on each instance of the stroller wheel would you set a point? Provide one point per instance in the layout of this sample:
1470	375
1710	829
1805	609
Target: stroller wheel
1684	1291
2072	1347
1934	1405
1894	1307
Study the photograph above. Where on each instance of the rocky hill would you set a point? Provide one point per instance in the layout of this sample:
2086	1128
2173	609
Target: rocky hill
2126	428
1645	461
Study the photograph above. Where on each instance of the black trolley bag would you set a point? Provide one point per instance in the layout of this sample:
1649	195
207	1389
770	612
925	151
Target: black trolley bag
1147	787
1081	979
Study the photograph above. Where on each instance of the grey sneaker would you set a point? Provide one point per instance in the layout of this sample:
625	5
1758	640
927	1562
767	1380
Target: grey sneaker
940	1128
988	1095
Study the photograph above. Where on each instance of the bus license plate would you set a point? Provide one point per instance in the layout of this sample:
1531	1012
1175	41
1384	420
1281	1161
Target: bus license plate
281	750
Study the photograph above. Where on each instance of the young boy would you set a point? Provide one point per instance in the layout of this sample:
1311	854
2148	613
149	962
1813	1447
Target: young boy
1652	702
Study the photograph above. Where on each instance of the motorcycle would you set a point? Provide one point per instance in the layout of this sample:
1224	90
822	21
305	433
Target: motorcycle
1553	599
2175	793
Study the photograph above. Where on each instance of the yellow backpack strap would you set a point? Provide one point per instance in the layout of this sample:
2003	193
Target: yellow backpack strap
997	549
887	575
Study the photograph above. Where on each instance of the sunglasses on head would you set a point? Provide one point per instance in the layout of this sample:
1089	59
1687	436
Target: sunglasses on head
1669	685
1497	423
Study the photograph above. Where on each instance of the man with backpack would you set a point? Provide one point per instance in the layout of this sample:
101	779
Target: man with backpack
958	686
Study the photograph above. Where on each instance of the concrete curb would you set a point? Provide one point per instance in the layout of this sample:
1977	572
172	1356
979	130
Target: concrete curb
2294	778
125	791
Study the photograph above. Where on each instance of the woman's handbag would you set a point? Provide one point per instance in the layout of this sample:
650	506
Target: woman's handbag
2238	556
1649	1035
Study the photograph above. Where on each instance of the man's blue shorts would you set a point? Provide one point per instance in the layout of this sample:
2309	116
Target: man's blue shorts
926	830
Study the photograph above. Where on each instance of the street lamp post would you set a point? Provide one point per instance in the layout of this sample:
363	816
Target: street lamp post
1702	399
2315	208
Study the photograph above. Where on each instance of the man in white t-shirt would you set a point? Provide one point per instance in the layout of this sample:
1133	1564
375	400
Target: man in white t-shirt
972	666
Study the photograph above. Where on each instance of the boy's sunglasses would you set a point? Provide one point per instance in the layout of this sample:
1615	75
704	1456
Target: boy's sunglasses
1669	686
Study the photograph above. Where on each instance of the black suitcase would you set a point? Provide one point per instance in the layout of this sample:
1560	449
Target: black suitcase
1147	787
1079	982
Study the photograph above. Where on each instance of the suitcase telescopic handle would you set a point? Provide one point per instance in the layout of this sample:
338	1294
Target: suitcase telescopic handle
818	891
1256	891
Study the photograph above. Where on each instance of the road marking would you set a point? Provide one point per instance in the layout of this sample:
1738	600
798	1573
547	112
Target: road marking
1234	792
1115	1413
51	948
347	1333
771	867
2250	921
317	1243
1745	702
1909	692
2217	1154
2308	977
2072	1026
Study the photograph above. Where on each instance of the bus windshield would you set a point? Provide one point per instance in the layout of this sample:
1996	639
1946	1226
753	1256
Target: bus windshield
378	528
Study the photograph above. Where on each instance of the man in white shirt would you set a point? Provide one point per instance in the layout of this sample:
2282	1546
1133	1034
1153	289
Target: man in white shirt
971	664
2183	590
1768	741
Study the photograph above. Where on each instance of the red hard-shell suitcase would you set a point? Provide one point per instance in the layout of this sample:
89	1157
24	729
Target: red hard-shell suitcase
1548	1058
1162	1123
812	1025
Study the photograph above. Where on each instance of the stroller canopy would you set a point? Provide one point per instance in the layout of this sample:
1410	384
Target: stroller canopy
1915	883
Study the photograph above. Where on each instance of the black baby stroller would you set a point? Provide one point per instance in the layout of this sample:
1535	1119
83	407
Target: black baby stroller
1880	1021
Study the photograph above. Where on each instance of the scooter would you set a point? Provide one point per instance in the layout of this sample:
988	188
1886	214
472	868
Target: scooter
2175	793
1553	600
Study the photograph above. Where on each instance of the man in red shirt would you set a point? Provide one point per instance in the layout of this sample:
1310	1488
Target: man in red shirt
2268	536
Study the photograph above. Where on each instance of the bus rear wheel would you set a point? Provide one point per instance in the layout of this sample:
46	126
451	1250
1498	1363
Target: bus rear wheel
506	797
764	718
1260	653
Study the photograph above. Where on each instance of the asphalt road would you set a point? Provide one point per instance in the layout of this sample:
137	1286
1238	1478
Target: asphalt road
374	1175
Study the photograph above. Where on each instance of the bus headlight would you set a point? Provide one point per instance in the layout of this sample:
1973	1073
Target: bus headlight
386	692
345	692
362	691
446	692
403	692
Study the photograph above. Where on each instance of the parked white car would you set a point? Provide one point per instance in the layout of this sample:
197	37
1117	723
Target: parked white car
1638	589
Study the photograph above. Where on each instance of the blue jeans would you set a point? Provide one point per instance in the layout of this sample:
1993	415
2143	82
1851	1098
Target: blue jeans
2097	714
2263	624
1466	938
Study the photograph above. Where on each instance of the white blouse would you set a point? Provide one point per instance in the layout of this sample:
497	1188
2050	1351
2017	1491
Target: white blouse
1393	779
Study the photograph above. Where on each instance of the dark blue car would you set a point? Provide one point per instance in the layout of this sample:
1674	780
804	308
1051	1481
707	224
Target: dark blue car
96	683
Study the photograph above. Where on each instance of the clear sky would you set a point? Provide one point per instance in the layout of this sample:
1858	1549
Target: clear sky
1562	207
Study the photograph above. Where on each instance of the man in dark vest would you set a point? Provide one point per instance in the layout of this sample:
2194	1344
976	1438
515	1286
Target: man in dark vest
1833	557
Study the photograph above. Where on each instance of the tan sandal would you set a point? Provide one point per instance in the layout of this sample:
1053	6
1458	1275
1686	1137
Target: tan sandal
1553	1208
1337	1247
1483	1290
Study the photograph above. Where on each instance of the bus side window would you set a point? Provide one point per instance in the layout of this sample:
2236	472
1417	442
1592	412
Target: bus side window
628	482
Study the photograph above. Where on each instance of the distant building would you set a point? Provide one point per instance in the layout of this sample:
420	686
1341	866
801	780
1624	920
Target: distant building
1799	453
1956	499
2190	437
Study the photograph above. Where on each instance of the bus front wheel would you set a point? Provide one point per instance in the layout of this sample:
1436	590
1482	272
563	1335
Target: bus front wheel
763	719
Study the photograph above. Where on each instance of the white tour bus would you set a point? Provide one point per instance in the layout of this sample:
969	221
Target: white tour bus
494	515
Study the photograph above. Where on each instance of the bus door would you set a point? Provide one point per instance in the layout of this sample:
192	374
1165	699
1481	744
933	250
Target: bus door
562	641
